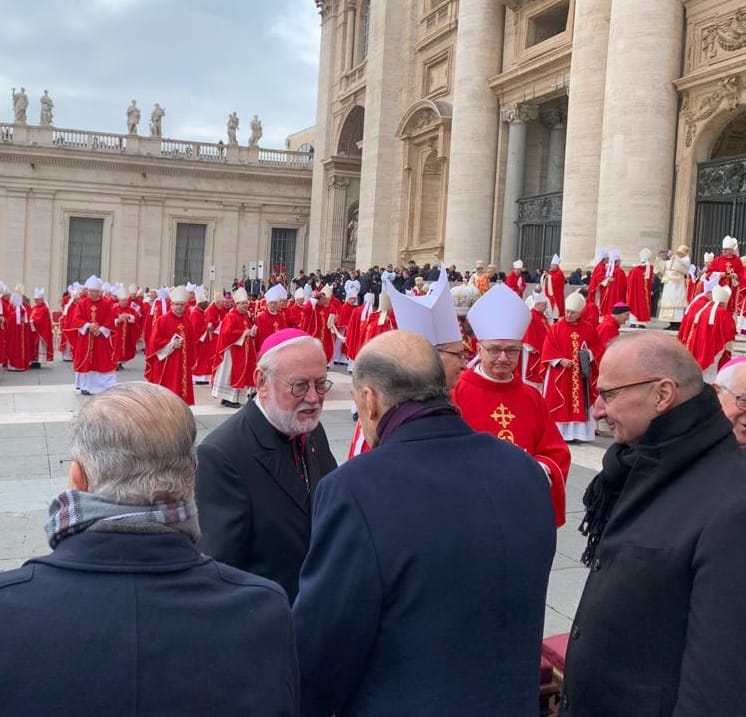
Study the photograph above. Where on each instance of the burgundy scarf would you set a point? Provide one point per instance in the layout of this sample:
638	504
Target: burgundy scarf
410	411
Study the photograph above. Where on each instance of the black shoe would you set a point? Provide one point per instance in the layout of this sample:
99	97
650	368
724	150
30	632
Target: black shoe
83	392
354	416
34	364
120	367
201	383
230	404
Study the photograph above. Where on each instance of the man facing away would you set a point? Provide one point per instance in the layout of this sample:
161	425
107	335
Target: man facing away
423	590
659	629
126	616
257	472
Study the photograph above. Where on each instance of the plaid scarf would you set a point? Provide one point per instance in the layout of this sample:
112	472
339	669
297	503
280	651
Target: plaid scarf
74	511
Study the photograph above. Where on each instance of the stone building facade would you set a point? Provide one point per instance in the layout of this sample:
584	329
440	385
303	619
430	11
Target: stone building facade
149	210
492	129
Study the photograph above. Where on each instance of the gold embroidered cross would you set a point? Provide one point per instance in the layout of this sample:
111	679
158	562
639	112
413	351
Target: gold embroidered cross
502	415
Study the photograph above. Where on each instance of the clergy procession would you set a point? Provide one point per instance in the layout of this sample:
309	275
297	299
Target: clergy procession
413	579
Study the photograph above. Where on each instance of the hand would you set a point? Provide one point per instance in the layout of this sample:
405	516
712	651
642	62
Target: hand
252	331
178	342
566	363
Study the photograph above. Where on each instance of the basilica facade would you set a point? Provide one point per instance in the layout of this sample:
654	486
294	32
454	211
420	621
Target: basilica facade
459	130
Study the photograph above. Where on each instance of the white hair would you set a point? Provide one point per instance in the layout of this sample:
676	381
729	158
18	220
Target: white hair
727	376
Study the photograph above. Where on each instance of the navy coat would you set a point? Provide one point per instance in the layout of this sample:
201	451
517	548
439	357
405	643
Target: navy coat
424	588
131	624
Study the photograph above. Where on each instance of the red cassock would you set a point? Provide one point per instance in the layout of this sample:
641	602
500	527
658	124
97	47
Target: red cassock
533	341
606	332
516	282
315	323
127	333
18	340
639	288
378	323
204	349
175	371
732	274
597	276
590	314
268	324
691	311
553	283
614	292
354	331
243	357
294	315
93	353
563	387
68	335
41	319
707	341
4	314
518	414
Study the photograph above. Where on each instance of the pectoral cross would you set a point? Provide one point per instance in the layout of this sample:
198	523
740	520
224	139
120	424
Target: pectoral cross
502	415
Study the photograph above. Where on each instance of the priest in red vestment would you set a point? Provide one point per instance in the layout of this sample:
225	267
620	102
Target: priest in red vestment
589	314
93	322
640	289
127	323
316	322
514	280
711	334
732	272
494	400
19	344
598	275
41	330
204	348
4	316
271	319
532	367
235	360
169	355
552	284
569	387
342	321
294	312
609	327
613	288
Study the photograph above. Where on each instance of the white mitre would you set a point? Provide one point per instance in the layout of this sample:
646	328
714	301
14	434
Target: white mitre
499	314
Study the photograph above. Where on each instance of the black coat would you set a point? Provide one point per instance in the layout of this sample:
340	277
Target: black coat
254	510
142	624
661	625
423	592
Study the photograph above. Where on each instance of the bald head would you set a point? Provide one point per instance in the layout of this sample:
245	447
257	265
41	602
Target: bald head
660	354
401	366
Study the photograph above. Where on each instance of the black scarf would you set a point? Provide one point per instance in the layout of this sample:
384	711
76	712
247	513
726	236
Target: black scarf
410	411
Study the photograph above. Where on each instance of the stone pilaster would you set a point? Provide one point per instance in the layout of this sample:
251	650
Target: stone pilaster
39	237
639	129
555	120
472	162
584	130
517	118
16	209
336	221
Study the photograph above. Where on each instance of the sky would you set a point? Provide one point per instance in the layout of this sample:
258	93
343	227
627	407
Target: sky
199	59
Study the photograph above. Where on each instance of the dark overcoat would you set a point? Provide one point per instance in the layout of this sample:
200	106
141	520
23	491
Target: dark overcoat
661	624
254	508
142	624
424	588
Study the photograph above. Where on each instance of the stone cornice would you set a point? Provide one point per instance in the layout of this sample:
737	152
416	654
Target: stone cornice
155	166
516	79
733	66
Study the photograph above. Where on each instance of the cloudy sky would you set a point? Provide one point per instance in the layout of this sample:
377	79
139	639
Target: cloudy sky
200	59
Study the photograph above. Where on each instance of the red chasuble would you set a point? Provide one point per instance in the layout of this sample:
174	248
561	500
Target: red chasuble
42	321
614	292
706	341
597	276
315	323
606	332
590	315
518	414
175	371
563	387
376	324
732	274
93	353
354	331
204	347
553	283
243	357
533	339
268	324
516	282
18	341
691	311
127	333
4	314
639	287
294	315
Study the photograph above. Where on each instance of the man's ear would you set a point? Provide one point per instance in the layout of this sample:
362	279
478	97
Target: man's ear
77	479
667	392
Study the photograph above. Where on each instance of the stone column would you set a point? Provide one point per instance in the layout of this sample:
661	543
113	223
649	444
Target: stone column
515	171
555	120
472	161
350	35
336	221
584	126
639	129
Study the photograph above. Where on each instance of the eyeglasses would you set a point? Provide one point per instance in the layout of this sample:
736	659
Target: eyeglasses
494	351
300	388
460	355
740	398
607	395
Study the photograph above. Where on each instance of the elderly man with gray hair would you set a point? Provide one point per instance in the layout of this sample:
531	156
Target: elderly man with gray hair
730	385
424	587
126	616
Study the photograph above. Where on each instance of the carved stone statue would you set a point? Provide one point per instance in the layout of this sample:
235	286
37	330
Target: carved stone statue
45	119
155	120
256	131
351	240
232	128
20	105
133	117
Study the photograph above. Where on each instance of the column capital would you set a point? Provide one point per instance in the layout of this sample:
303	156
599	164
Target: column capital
553	116
336	181
519	113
